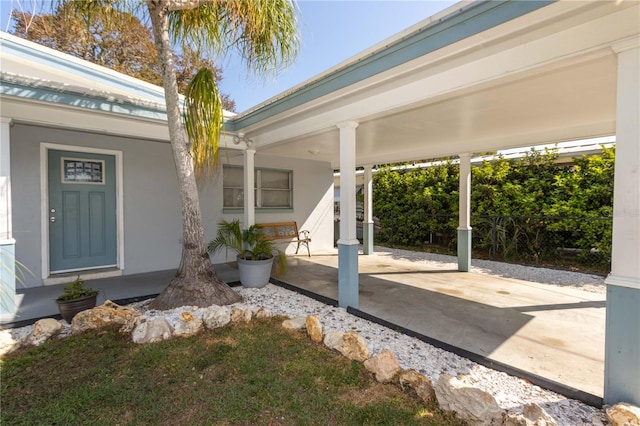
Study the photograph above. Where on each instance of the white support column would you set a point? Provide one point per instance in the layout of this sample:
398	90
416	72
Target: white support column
622	338
464	214
348	243
367	225
249	188
7	243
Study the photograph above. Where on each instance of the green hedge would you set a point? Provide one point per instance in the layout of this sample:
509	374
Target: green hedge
529	209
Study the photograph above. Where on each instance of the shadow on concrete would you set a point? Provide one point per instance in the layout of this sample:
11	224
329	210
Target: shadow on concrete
562	306
476	327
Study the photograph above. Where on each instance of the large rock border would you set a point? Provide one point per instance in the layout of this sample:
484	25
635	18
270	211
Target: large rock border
470	403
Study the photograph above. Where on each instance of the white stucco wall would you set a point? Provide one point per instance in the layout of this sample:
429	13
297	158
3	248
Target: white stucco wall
151	204
312	202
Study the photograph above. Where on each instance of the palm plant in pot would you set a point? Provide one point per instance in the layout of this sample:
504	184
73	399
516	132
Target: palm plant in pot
76	298
254	253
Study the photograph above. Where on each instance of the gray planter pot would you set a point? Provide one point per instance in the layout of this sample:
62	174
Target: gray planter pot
69	308
254	273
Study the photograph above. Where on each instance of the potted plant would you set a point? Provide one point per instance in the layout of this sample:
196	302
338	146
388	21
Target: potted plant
255	254
76	298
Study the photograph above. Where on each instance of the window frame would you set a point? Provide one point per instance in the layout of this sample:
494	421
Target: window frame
259	189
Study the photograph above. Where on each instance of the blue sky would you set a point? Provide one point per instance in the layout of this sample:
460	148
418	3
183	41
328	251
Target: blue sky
331	31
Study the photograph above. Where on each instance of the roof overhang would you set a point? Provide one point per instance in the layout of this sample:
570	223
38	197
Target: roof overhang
42	86
485	76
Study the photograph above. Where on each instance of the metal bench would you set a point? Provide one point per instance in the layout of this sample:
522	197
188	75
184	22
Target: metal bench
286	231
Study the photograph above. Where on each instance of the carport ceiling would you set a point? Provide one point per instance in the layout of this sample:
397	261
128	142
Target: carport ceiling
570	103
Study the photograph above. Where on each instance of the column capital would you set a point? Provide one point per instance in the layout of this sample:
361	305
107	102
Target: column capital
465	155
6	120
345	124
626	44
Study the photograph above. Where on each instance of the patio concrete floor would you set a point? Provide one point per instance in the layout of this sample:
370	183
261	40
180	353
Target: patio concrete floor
553	332
550	331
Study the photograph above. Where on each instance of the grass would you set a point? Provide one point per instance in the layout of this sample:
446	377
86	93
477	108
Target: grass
253	374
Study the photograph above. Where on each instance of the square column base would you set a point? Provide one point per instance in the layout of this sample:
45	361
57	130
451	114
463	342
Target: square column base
622	346
348	284
464	250
367	238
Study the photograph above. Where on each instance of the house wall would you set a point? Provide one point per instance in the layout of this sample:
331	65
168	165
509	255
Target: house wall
312	203
151	203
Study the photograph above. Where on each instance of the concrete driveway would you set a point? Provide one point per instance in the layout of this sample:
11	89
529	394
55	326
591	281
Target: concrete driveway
550	331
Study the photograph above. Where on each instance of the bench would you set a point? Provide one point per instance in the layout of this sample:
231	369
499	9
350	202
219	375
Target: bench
286	231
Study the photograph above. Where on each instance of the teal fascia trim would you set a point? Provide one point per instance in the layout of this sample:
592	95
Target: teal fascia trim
466	22
78	100
622	346
79	70
348	285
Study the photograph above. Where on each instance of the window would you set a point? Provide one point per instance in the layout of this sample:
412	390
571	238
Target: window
75	170
274	188
232	182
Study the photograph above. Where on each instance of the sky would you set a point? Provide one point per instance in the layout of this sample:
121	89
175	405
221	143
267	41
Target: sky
330	32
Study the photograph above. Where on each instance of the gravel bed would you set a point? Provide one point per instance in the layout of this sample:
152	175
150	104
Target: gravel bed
586	282
510	392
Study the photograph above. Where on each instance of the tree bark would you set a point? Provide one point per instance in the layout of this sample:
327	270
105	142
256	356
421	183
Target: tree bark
196	282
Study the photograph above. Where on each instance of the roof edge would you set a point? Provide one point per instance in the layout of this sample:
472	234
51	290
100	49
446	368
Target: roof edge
425	37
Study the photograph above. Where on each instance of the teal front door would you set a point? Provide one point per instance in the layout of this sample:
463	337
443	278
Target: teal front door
82	211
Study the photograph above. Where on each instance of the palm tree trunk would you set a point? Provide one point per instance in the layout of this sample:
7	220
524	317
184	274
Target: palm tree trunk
196	282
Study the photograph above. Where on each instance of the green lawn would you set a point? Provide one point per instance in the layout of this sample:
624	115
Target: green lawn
253	374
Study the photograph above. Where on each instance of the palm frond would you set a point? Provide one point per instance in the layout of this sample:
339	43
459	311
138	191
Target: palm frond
263	32
203	121
266	31
229	236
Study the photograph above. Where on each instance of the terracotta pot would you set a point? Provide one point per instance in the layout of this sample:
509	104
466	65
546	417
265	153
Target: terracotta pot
69	308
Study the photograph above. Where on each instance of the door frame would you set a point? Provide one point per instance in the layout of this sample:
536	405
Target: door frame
44	213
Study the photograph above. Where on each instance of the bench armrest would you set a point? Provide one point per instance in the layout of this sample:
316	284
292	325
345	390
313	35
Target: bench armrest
304	235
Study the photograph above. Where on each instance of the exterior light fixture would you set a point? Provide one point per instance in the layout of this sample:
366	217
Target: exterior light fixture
240	137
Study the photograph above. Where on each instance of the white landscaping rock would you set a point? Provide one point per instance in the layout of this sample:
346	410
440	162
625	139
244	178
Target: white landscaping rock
8	341
43	330
623	414
475	406
533	415
216	316
314	328
241	315
188	325
333	340
155	330
384	365
295	323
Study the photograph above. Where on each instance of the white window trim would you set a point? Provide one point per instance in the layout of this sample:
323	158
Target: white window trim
258	188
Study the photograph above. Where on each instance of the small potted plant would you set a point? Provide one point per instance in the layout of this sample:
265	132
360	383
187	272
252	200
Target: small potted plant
76	298
255	254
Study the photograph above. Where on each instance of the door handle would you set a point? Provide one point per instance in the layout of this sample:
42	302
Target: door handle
52	219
